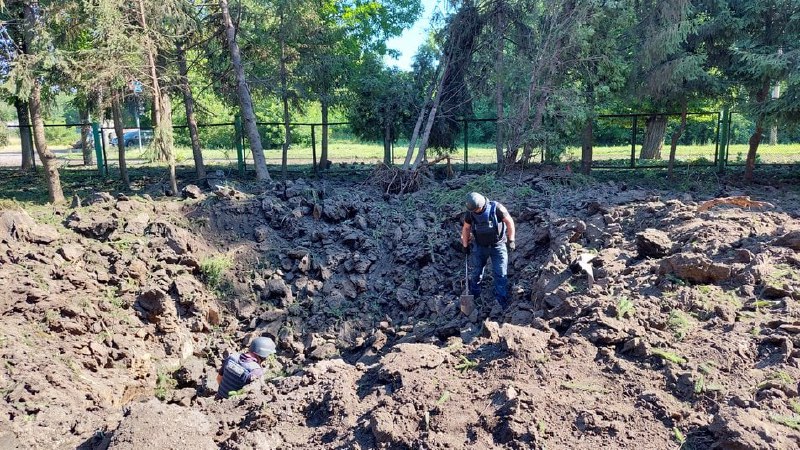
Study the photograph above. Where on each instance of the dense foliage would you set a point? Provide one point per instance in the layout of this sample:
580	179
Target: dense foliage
548	71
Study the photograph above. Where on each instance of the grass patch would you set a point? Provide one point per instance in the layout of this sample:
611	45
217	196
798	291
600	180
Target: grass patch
165	384
680	324
779	377
792	422
213	268
466	364
625	308
680	438
668	356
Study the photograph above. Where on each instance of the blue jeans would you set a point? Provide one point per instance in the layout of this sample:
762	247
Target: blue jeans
499	256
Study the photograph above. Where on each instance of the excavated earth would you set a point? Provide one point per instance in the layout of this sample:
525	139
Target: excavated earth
640	319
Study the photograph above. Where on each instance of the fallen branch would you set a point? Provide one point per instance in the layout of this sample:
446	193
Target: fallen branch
740	201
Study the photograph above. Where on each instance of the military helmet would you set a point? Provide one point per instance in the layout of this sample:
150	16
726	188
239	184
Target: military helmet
475	201
262	346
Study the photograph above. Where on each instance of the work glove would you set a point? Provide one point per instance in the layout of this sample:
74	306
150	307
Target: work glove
511	246
465	249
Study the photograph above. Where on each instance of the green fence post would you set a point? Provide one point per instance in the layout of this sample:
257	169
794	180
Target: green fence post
466	145
237	123
98	148
722	157
634	130
314	149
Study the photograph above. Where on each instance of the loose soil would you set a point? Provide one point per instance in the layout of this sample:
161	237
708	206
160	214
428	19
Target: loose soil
641	318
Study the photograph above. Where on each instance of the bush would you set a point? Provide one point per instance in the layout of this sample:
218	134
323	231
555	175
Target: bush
3	135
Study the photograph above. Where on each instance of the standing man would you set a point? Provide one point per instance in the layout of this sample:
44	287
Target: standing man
240	369
492	231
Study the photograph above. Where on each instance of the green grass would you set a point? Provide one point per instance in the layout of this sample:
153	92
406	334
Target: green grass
792	422
466	364
213	268
668	356
680	324
625	307
164	385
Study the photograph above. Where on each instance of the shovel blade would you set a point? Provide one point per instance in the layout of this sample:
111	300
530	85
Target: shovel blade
467	304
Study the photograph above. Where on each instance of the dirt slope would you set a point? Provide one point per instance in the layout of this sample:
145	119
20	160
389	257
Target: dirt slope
684	332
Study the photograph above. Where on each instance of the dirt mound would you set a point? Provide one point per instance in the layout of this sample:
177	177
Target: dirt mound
639	320
156	425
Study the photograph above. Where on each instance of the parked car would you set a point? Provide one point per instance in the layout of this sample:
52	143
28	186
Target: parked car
131	138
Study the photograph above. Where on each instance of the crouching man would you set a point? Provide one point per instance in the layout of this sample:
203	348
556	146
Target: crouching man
240	369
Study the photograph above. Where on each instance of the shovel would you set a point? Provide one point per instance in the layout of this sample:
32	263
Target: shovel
467	301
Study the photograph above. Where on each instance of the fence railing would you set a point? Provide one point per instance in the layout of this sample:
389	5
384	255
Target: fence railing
709	144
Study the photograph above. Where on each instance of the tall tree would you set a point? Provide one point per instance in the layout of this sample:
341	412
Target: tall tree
31	70
245	100
191	120
758	48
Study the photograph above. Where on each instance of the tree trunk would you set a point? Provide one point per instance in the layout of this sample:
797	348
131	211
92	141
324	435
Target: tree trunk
755	139
245	100
323	160
423	145
587	139
119	129
673	148
47	157
387	143
656	128
88	152
287	137
284	99
168	139
26	139
499	101
773	130
191	120
412	143
158	143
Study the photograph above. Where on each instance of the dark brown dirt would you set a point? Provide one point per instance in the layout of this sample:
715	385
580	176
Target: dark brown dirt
686	332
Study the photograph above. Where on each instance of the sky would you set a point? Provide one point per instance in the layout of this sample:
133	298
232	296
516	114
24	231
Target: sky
410	40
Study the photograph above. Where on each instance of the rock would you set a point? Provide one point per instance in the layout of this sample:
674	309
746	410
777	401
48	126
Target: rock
695	268
411	357
193	192
183	397
178	239
137	224
156	425
738	428
20	226
653	243
186	288
99	197
277	288
71	252
97	225
525	342
327	350
260	234
157	307
790	240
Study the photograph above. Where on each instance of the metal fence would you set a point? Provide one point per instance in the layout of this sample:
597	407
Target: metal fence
712	138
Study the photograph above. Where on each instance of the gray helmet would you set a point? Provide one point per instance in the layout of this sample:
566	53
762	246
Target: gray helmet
262	346
475	201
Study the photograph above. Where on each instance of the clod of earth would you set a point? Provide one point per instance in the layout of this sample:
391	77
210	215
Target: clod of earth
127	300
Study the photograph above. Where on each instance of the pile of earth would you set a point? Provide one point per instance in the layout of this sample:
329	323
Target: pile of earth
638	317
